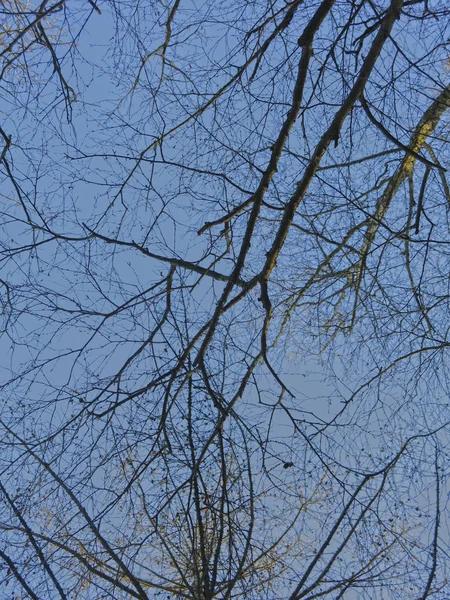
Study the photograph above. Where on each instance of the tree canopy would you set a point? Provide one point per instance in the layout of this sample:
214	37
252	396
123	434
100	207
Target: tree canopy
224	285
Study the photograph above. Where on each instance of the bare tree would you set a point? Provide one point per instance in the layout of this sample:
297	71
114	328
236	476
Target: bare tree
225	298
